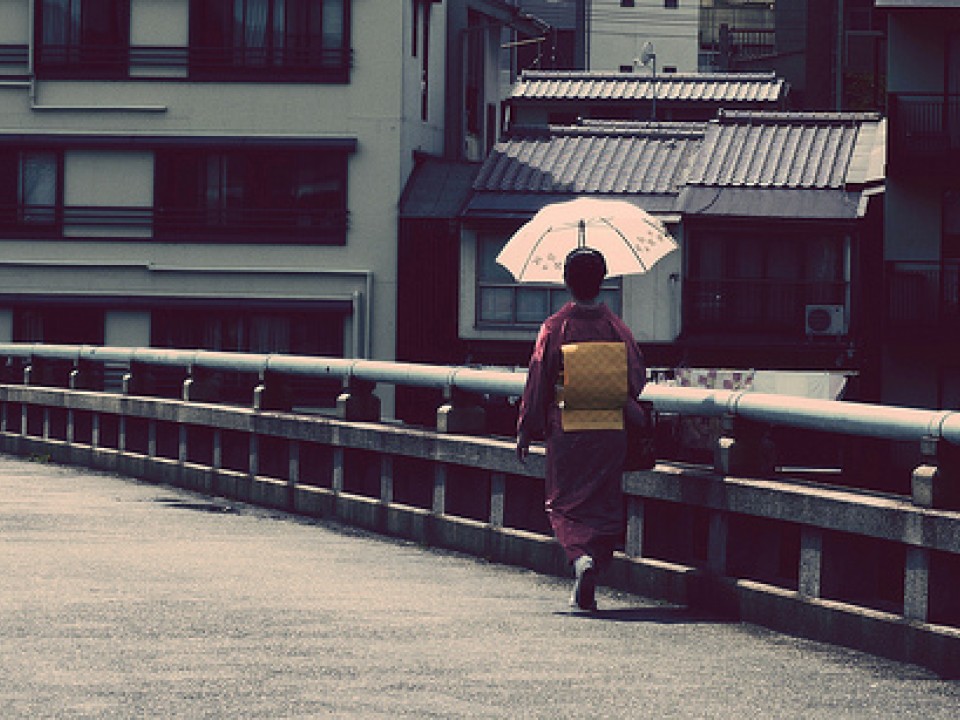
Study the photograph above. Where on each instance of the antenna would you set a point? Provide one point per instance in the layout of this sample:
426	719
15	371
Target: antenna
649	57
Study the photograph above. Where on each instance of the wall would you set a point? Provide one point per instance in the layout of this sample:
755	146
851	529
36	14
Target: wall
371	108
618	34
650	302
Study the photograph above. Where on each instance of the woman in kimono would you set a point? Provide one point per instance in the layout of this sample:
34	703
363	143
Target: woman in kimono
584	500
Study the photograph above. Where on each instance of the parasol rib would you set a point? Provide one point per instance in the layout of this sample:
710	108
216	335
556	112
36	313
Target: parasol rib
627	241
536	245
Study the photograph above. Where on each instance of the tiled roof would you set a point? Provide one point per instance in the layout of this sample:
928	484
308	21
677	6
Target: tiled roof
785	150
773	165
555	85
592	158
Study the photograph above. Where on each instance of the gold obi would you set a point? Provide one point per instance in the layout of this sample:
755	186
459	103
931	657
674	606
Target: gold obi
594	386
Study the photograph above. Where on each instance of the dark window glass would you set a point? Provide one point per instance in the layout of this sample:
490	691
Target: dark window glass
83	38
29	192
501	300
298	332
286	194
268	37
58	324
760	283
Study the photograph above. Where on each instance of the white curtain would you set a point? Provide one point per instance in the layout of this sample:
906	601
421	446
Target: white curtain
250	23
61	22
332	24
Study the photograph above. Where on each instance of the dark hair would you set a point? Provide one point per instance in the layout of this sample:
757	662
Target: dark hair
583	272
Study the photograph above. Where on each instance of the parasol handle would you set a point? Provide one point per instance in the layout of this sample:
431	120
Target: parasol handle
581	234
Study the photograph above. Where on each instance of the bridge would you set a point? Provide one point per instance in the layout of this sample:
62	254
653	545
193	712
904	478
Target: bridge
848	558
129	599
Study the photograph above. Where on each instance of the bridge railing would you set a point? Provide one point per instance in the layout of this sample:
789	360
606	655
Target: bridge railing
866	569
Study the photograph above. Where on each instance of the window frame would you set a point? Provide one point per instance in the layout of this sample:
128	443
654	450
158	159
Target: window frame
79	56
206	211
776	303
232	61
556	294
17	224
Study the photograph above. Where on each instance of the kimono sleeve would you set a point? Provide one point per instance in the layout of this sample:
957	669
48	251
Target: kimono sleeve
538	390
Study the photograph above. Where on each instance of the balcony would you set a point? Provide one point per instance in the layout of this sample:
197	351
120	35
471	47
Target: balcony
924	132
121	62
768	306
14	62
307	226
922	298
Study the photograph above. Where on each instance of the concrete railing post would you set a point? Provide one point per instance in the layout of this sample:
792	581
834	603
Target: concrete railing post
386	479
293	470
717	543
74	384
633	544
460	414
916	584
152	437
935	483
439	505
273	392
498	492
339	460
358	402
253	461
811	562
744	448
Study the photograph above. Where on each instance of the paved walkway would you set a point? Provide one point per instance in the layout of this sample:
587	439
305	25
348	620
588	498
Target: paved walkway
121	599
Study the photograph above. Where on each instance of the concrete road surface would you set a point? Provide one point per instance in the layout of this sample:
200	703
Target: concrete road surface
121	599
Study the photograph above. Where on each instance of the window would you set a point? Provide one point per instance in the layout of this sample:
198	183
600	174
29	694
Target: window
29	192
251	329
671	4
756	282
626	3
67	324
292	195
503	301
269	38
83	38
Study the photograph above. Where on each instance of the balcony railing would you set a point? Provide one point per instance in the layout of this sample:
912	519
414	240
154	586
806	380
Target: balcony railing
924	130
773	305
14	61
199	63
923	296
297	225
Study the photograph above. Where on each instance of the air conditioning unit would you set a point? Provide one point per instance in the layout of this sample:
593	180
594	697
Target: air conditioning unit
825	320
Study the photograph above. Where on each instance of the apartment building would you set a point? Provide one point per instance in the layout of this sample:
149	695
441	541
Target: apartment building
225	175
646	36
921	366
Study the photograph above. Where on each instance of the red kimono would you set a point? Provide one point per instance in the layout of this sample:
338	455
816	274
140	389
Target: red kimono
584	499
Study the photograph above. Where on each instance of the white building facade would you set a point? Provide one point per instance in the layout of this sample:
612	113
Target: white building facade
214	174
620	30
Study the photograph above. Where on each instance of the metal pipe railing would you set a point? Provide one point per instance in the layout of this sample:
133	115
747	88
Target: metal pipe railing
840	417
